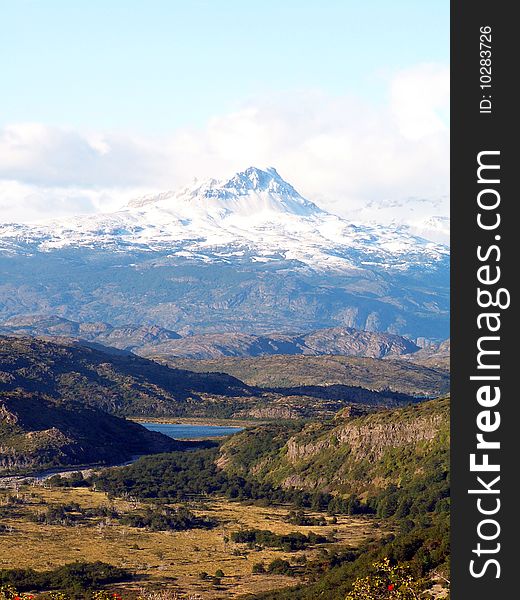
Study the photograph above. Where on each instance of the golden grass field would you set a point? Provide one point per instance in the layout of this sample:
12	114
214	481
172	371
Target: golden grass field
163	558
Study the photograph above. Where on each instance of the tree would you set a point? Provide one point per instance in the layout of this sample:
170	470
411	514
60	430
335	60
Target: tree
386	583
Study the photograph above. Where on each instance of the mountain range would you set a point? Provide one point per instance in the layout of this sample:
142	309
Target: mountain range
248	255
158	342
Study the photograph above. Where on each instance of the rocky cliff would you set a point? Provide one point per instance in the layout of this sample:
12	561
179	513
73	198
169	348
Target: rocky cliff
353	453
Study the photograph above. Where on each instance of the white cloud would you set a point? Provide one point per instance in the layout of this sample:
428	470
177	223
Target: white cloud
20	202
420	100
341	152
49	156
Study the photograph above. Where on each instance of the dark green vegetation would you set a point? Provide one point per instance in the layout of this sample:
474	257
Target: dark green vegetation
71	514
298	517
154	518
194	475
365	463
122	384
424	549
399	375
75	577
167	519
406	483
371	457
350	454
290	542
39	432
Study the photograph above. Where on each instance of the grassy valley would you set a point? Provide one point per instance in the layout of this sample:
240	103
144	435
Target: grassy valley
289	511
182	560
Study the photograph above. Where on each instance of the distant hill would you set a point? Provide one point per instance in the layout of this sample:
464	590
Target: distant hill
125	337
436	356
404	376
37	432
123	384
154	341
337	340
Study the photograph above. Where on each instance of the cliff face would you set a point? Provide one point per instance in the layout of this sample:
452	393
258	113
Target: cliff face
368	441
352	453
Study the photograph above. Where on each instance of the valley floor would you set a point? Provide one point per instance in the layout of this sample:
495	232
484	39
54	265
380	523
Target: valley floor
174	558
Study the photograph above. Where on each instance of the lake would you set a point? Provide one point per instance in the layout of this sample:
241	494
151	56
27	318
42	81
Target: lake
181	431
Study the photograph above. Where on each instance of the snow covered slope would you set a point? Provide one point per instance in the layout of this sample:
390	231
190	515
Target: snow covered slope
255	213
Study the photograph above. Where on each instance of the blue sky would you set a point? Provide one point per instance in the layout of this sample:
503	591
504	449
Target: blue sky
103	100
155	65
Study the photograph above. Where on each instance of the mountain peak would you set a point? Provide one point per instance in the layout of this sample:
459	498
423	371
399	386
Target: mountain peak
252	191
257	179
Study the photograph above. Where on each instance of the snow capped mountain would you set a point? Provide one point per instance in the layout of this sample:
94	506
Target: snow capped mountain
255	216
436	228
251	192
425	217
248	255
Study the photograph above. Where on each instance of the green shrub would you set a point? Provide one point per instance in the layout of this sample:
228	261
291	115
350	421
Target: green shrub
73	576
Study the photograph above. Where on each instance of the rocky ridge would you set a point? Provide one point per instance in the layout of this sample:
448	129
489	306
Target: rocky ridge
353	452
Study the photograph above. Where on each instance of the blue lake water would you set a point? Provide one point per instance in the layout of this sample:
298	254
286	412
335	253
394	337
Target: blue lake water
180	431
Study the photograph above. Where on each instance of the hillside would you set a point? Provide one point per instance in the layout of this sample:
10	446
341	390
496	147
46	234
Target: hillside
436	356
394	464
127	385
405	377
39	433
350	454
121	384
